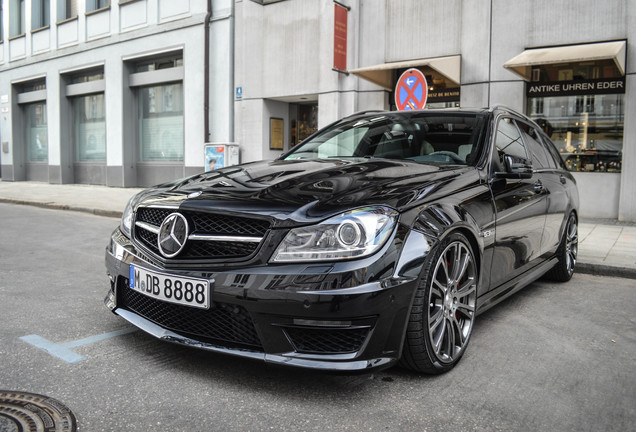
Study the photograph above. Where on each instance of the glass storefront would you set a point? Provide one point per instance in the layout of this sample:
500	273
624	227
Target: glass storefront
161	123
89	128
37	148
581	107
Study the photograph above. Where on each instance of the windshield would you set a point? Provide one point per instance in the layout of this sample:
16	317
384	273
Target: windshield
434	137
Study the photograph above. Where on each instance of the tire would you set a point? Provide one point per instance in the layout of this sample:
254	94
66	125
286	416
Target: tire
566	253
443	311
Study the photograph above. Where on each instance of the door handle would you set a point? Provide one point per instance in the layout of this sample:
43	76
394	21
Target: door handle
562	178
538	186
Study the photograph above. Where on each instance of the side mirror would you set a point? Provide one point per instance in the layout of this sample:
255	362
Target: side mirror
516	168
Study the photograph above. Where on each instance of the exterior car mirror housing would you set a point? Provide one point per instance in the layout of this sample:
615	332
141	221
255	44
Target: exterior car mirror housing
516	168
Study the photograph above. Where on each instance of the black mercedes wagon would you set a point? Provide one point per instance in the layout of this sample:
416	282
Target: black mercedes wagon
376	241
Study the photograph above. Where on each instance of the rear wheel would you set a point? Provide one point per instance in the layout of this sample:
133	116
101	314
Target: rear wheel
443	312
567	252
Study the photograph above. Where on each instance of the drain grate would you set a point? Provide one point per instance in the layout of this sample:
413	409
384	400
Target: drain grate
29	412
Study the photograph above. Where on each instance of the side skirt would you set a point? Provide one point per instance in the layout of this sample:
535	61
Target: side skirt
507	289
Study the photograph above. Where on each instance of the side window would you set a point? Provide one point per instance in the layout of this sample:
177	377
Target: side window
508	142
540	159
555	157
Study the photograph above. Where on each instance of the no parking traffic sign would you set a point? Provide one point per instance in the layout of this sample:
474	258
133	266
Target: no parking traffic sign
411	90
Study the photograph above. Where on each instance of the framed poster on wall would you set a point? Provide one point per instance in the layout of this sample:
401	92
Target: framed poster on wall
276	134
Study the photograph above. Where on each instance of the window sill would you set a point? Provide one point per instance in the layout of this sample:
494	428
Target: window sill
125	2
97	11
37	30
67	20
17	37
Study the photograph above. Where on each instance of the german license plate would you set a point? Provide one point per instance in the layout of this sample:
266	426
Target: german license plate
169	288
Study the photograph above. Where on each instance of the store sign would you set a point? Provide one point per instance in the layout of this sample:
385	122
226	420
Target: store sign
444	95
340	38
577	87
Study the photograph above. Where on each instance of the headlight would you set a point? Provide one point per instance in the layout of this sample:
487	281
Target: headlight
353	234
127	218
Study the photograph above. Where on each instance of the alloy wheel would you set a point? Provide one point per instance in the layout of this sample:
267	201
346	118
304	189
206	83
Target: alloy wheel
451	302
571	244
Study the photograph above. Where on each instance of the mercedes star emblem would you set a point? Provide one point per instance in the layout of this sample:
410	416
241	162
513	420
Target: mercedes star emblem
173	234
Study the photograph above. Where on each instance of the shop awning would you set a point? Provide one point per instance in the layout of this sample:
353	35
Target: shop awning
522	64
382	74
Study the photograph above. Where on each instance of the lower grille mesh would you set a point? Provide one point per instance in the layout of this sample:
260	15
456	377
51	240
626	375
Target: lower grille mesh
223	322
327	341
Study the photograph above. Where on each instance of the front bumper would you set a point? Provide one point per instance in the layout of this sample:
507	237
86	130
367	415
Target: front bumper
322	316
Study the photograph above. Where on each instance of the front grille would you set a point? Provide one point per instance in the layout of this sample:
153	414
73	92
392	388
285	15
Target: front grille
207	249
228	225
327	340
223	323
204	224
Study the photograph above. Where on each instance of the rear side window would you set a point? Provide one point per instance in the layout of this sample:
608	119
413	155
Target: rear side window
554	155
508	142
540	158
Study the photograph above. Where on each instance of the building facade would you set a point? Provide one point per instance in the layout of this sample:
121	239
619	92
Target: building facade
129	93
113	93
568	64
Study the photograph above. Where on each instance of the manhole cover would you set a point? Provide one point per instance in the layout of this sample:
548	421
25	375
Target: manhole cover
28	412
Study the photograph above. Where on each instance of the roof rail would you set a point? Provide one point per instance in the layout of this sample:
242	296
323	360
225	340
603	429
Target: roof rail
512	110
365	112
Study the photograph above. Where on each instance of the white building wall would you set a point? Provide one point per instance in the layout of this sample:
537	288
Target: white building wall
110	38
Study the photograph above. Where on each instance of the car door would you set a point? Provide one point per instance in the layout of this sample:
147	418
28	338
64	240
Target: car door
520	205
547	179
559	183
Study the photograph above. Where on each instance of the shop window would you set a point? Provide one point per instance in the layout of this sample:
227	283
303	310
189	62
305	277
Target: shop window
40	14
161	123
159	64
89	128
580	106
36	132
85	90
17	21
31	97
157	83
587	130
85	77
304	121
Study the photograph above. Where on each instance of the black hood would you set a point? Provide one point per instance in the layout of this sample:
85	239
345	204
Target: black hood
304	190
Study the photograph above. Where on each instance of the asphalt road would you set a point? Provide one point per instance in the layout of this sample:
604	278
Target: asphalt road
555	357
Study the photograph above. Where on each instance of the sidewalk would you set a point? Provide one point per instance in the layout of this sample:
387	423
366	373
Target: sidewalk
606	247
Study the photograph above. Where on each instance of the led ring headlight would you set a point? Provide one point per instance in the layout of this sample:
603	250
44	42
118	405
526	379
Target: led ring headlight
349	233
353	234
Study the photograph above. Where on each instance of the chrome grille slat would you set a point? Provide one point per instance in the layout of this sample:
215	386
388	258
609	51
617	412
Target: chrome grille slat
213	236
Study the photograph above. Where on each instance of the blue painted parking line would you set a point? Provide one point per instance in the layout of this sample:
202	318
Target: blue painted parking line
64	352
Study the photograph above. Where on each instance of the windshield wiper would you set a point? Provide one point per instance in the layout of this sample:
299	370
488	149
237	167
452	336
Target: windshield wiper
351	157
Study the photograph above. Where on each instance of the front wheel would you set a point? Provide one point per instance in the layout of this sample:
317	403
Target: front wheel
443	312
